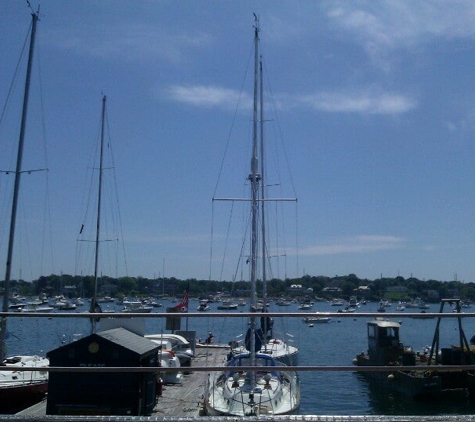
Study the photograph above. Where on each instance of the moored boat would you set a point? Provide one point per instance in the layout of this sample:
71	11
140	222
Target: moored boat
227	305
203	306
271	391
317	318
19	388
416	379
255	383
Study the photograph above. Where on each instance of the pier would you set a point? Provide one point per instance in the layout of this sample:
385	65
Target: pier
183	403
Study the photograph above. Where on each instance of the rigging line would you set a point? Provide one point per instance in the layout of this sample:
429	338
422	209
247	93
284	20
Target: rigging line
47	209
243	243
119	215
86	202
280	137
211	242
232	123
267	79
15	75
226	244
297	235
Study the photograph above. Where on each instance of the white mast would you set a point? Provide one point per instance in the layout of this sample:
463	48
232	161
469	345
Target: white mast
254	179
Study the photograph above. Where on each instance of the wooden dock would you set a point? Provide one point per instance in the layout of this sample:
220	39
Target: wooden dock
183	402
177	400
186	399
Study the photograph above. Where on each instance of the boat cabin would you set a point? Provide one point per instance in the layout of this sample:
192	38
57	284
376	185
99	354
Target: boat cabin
384	346
103	393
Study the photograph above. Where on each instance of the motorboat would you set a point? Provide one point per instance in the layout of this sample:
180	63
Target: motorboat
227	305
203	306
317	318
29	307
416	379
168	359
19	388
136	307
178	344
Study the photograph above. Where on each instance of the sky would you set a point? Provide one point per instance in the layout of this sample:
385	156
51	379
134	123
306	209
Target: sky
372	105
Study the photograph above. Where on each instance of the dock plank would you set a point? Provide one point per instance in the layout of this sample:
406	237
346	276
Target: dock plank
186	399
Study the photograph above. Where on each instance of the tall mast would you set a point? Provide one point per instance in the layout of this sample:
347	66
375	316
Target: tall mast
263	225
254	178
16	189
98	221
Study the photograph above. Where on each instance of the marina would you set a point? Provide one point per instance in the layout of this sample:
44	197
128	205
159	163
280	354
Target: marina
326	353
128	353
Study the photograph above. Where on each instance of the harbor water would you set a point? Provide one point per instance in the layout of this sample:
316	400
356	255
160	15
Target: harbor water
335	343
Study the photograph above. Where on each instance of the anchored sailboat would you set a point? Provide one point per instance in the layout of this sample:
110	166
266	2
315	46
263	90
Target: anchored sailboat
95	307
253	383
18	387
279	348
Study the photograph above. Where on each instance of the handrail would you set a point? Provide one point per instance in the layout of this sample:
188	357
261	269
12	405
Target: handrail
214	368
420	315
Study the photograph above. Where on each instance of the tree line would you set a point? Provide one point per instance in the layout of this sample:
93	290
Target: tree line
324	287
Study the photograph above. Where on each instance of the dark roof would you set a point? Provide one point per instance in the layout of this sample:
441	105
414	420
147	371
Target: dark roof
128	340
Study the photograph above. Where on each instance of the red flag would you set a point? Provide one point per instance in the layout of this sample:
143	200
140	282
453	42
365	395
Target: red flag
183	305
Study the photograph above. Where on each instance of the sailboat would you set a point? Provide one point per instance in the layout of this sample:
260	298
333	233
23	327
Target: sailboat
18	387
277	347
253	383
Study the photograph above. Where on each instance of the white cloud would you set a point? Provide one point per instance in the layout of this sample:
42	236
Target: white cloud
383	26
361	102
208	96
367	101
357	244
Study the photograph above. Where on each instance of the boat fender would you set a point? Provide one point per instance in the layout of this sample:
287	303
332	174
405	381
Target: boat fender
159	387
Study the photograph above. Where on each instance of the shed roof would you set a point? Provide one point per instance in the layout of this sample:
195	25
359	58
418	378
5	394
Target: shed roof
129	340
119	336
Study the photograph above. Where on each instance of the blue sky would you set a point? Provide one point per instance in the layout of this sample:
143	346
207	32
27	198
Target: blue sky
373	101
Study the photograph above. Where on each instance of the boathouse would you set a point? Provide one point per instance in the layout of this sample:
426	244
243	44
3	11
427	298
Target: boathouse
103	393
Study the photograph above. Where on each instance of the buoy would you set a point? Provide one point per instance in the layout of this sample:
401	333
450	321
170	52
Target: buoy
391	377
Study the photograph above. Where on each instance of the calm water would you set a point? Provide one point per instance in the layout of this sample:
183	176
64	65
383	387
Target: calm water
334	343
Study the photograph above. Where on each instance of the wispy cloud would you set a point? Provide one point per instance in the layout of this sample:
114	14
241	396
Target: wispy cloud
383	26
367	102
208	96
357	244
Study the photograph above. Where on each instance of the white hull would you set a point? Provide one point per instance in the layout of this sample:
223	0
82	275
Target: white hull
275	392
19	388
277	349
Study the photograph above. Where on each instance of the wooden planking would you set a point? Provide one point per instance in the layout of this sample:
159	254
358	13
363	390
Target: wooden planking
185	399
